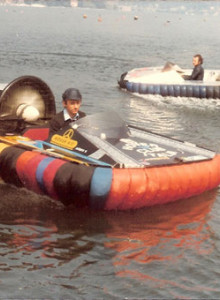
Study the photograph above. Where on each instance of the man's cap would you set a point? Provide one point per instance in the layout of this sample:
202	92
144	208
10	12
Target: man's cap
72	94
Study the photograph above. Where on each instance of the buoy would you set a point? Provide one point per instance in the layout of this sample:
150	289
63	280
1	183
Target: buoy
135	17
84	16
103	136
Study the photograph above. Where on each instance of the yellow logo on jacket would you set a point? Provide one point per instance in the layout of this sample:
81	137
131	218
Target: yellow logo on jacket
64	140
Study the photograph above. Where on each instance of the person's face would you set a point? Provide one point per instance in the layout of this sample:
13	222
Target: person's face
72	106
196	61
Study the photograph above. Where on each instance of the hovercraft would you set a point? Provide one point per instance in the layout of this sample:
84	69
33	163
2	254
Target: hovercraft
100	162
168	81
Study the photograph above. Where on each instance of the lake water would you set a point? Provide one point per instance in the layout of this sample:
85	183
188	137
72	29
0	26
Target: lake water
164	252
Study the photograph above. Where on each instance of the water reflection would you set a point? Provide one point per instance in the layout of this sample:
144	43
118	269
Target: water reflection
44	225
41	235
39	230
161	237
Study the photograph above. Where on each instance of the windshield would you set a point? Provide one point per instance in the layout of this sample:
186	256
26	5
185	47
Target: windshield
107	124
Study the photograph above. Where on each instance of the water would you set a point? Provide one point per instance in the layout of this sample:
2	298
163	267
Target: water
165	252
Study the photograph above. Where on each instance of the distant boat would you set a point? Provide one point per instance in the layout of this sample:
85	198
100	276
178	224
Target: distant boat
168	81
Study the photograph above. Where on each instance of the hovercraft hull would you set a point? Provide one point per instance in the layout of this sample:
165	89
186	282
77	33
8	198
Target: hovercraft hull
162	177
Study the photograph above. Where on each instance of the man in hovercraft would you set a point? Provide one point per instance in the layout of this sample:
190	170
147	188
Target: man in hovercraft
198	71
72	100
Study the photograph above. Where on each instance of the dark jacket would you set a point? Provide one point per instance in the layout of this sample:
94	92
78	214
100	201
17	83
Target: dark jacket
57	122
197	73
